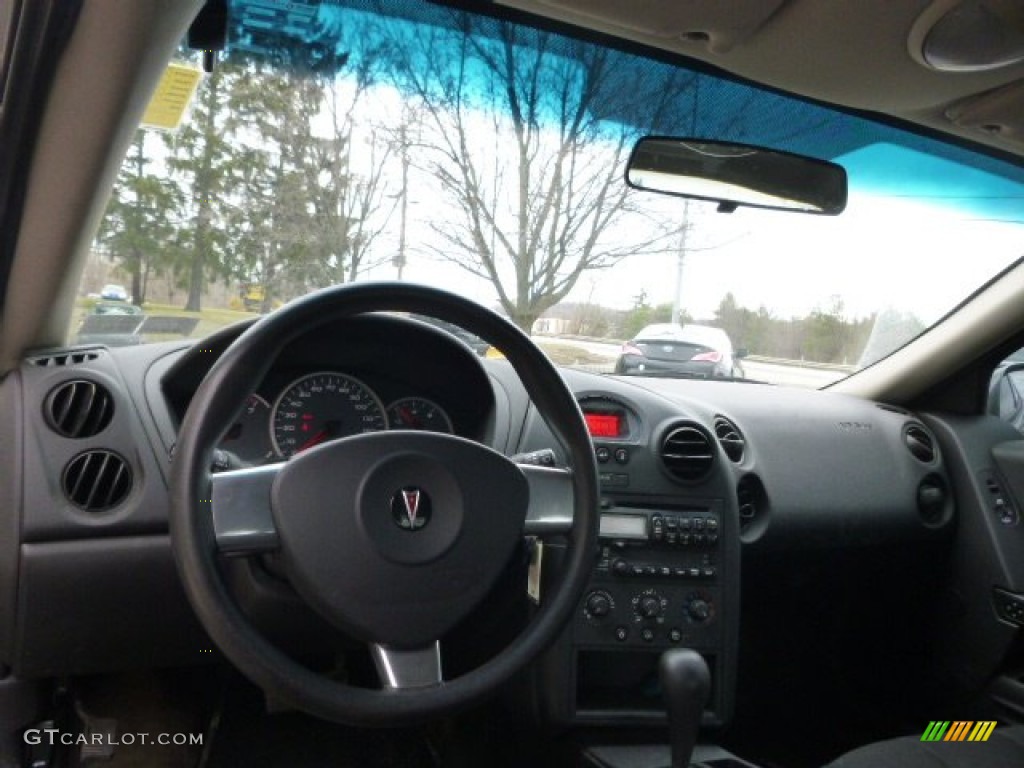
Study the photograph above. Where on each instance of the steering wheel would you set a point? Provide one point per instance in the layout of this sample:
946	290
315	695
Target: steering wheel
393	537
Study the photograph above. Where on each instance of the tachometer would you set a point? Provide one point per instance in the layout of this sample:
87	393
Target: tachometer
247	438
320	407
418	413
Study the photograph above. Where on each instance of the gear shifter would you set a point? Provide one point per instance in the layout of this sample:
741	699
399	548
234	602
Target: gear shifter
686	683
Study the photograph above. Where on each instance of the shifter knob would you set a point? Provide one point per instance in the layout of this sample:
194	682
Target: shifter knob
686	683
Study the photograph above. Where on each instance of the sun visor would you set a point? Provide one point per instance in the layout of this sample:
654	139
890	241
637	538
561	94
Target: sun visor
720	25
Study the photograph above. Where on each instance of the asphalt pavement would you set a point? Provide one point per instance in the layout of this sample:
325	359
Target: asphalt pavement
788	373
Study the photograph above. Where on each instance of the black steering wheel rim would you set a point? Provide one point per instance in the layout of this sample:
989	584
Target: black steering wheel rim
217	402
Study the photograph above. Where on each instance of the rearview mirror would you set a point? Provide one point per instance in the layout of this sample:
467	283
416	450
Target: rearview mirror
737	174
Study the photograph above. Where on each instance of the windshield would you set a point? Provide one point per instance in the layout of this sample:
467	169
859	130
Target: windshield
334	143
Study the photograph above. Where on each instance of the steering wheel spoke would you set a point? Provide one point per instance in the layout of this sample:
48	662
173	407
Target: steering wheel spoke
408	668
243	523
551	500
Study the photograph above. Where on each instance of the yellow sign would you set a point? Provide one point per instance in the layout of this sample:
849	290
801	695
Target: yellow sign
172	97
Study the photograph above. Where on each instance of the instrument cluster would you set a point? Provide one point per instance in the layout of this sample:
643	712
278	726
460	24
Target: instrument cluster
319	407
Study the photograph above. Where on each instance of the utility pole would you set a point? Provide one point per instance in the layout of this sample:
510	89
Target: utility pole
400	259
680	260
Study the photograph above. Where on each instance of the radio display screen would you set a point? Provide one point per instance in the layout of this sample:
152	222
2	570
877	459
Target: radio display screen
604	424
624	526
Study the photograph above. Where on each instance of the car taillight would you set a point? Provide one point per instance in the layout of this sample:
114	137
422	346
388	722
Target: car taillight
629	349
708	357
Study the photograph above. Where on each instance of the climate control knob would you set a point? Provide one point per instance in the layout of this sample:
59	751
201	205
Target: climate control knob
698	610
649	607
598	605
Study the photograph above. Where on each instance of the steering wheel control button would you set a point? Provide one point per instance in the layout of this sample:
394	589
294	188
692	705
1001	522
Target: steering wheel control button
622	634
675	635
411	508
647	635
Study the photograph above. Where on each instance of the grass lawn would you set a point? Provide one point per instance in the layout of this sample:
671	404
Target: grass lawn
209	319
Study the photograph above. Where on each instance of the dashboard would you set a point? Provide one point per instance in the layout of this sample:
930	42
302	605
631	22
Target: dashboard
716	497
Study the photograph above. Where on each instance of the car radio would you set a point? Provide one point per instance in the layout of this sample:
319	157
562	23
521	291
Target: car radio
656	582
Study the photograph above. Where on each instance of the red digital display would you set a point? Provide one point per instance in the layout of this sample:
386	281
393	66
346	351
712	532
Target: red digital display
604	424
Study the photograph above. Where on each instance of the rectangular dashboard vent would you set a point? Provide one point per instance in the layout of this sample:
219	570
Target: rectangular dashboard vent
64	358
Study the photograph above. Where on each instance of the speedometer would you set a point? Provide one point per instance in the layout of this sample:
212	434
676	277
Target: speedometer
320	407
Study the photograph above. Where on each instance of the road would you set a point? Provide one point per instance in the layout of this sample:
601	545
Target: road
784	374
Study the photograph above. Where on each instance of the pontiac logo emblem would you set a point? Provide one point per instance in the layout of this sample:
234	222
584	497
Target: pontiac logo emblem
410	508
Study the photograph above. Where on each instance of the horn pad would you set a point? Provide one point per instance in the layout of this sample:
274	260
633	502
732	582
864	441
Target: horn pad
395	536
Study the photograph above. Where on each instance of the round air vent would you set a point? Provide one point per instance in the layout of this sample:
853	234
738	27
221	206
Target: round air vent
687	453
97	480
730	438
79	408
920	443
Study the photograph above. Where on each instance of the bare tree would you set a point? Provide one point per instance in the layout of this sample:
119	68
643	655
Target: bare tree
348	190
546	203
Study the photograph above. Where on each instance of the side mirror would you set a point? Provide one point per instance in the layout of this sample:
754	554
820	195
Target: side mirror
737	174
740	353
1006	395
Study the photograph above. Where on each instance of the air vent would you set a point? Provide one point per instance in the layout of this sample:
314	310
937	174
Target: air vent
730	438
920	443
687	453
97	480
67	358
79	408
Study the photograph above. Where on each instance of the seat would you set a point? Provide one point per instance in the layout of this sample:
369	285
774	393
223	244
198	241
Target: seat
1004	748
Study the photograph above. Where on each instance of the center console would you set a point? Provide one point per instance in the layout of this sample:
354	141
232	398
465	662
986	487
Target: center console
667	576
